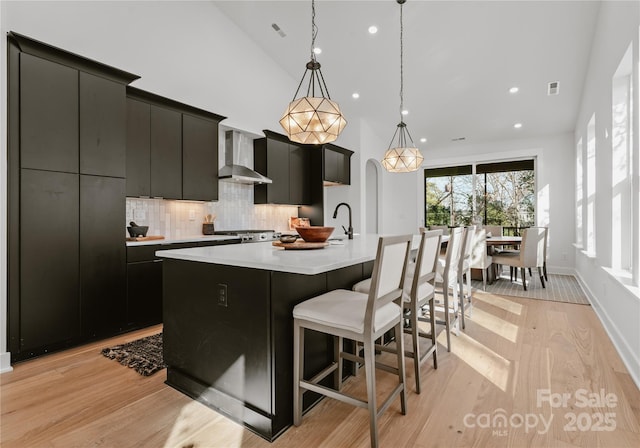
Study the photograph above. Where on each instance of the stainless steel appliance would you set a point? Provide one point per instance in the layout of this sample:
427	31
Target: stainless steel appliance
251	236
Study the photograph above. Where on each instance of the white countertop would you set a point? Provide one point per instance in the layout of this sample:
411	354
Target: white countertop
337	255
192	239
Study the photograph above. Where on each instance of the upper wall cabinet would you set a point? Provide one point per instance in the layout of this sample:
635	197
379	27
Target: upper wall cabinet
172	148
72	111
166	153
288	165
102	126
336	165
48	115
199	159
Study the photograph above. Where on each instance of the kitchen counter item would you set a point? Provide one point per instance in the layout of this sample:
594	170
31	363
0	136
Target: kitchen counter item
315	234
299	245
288	238
191	239
145	238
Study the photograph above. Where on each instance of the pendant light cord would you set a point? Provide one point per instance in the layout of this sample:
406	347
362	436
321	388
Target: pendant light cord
314	29
401	66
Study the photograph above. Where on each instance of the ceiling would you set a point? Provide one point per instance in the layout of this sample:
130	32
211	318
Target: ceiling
460	59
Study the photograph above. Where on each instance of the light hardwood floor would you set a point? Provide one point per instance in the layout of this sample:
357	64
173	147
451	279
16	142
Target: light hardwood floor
512	349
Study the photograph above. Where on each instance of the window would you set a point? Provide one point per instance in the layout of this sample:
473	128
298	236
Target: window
500	193
591	186
448	196
579	195
621	173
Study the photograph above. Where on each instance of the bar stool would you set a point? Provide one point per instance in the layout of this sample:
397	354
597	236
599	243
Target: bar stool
418	292
464	268
361	318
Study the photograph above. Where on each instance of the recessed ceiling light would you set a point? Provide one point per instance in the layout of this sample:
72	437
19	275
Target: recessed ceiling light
405	112
423	140
355	95
317	50
373	29
517	125
513	90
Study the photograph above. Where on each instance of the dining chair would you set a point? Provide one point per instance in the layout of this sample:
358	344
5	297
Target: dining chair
479	257
464	269
418	292
447	276
359	317
445	229
530	255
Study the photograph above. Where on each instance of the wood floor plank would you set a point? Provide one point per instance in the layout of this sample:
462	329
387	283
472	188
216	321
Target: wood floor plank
512	349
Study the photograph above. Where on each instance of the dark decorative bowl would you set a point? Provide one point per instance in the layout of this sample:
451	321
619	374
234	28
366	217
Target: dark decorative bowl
315	234
288	238
138	231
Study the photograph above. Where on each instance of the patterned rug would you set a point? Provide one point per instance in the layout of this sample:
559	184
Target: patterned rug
143	355
559	288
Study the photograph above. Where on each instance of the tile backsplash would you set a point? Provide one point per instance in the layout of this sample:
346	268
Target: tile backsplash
234	210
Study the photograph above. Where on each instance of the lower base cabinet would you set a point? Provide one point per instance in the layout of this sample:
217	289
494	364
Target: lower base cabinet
144	293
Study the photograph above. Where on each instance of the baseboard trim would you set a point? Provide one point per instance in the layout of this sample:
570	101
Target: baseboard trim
5	362
561	270
629	358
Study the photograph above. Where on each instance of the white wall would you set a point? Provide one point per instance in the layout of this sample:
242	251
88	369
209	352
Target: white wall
554	184
614	298
192	54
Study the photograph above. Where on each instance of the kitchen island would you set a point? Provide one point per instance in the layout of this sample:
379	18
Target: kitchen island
228	326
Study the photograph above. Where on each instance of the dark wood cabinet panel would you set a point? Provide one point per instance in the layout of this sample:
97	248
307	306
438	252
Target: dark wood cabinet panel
138	170
102	126
102	254
288	166
199	158
336	165
49	258
278	171
48	115
299	179
144	293
166	153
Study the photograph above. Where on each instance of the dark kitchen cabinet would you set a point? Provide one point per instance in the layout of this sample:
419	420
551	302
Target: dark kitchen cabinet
144	286
48	115
166	153
287	165
66	131
138	171
102	126
102	255
49	260
172	148
199	158
336	165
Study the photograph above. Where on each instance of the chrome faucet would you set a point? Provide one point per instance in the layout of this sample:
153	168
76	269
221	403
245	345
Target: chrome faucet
349	231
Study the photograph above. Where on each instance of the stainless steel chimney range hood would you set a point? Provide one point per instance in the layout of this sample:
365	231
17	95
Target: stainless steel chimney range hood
234	170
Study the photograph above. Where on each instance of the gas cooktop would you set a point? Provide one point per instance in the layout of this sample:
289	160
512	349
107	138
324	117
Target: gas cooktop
251	235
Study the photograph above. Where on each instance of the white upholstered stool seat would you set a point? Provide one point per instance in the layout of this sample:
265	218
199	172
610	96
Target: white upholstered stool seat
344	309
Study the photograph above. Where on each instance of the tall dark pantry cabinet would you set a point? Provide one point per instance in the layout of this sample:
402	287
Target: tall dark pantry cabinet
66	176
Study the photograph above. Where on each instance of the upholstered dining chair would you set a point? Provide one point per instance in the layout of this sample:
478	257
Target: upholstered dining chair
479	257
530	255
361	318
418	292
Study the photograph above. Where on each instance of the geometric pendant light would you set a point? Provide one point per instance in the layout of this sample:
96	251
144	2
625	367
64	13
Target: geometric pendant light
402	156
313	119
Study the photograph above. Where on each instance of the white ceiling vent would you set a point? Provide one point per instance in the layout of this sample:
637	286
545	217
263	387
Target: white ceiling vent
458	139
278	29
553	88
